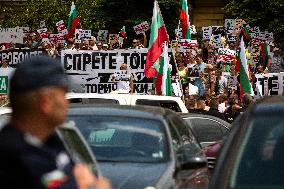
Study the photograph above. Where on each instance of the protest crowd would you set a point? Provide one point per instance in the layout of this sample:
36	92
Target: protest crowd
205	73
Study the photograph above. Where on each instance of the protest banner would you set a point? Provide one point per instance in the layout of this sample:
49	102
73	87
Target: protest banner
187	44
232	81
178	33
61	28
192	29
217	29
57	38
102	36
207	32
270	84
225	54
5	75
11	35
238	26
276	64
43	35
25	29
229	25
16	56
231	37
216	41
82	34
91	71
140	28
42	24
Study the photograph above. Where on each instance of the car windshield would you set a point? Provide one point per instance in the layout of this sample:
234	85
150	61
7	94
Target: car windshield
123	139
260	163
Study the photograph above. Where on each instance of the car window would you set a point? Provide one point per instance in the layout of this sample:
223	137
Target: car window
114	138
76	147
260	160
185	133
173	105
206	130
4	118
92	101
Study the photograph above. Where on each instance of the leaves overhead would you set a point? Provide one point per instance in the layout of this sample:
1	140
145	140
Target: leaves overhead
94	14
268	15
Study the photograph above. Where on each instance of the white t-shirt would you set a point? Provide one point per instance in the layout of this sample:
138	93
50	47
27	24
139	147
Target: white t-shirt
123	80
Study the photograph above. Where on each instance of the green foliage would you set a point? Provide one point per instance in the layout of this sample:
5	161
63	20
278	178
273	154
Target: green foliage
51	11
115	14
94	14
267	14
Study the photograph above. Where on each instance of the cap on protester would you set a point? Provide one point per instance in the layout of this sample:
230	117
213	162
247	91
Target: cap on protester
36	73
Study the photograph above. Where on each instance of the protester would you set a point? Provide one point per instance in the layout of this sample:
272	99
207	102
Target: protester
214	109
200	66
32	155
221	85
123	80
99	46
5	63
135	44
92	42
86	45
105	47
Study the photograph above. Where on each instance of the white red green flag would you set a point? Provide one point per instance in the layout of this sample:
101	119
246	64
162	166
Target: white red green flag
184	17
244	71
73	20
122	32
157	37
163	82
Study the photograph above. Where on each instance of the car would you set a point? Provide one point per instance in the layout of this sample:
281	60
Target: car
142	146
173	103
210	132
252	155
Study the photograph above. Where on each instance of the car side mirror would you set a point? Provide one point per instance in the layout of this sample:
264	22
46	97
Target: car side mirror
193	162
187	159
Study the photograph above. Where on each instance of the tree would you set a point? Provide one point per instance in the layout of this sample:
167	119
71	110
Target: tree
51	11
94	14
115	14
268	15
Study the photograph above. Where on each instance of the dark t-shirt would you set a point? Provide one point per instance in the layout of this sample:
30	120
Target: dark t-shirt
24	165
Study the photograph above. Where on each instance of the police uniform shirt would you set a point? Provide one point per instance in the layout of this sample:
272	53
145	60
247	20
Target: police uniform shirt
25	163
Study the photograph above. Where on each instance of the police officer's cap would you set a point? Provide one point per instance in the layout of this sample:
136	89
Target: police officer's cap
36	73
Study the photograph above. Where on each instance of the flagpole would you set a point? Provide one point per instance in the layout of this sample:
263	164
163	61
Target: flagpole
174	57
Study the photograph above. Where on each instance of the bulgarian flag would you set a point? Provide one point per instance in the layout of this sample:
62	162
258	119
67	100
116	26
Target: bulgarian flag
121	36
73	20
163	82
246	34
264	54
244	72
157	37
184	17
122	32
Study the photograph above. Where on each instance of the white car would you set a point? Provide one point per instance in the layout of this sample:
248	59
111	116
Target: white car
173	103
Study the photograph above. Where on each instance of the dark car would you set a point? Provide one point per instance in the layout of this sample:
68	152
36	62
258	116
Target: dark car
252	155
209	131
142	146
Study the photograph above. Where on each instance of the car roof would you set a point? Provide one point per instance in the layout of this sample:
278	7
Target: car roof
185	115
149	112
115	96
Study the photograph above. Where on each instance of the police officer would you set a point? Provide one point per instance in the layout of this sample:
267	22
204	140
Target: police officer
32	156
